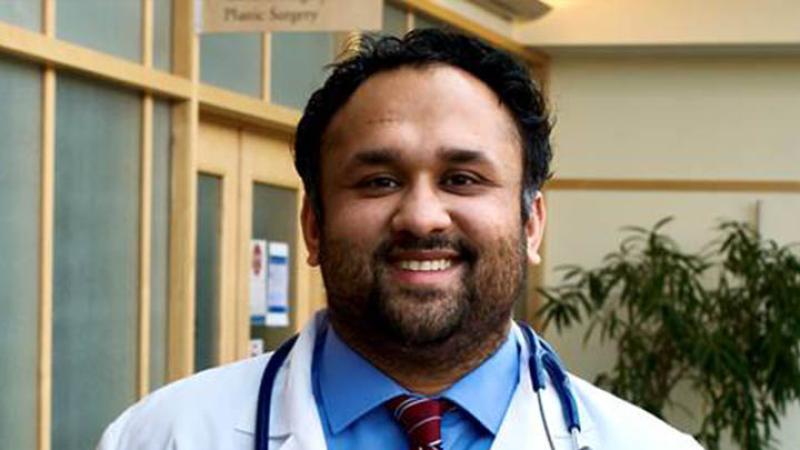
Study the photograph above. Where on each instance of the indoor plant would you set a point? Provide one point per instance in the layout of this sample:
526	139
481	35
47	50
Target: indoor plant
726	320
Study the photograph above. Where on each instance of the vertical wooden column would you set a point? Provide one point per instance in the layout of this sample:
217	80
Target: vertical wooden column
46	258
231	231
409	18
145	202
244	259
48	130
185	124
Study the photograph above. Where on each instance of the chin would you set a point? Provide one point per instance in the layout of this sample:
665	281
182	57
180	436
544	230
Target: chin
422	317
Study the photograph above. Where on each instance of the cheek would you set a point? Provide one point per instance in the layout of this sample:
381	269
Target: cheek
487	221
357	221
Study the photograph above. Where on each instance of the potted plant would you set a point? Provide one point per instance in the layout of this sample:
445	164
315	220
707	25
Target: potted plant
725	320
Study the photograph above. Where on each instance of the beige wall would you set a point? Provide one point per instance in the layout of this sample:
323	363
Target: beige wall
668	117
681	117
664	22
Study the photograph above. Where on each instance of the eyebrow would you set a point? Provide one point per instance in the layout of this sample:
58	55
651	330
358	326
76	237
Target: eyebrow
374	157
463	156
385	156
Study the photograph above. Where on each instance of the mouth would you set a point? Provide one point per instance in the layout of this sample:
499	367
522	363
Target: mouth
425	268
435	265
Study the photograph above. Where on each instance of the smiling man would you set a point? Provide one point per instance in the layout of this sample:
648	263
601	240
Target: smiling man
422	160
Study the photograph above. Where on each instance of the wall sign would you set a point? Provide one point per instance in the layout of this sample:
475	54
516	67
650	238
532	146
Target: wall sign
288	15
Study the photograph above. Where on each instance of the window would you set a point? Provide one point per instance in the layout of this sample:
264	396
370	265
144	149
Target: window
113	27
20	178
95	259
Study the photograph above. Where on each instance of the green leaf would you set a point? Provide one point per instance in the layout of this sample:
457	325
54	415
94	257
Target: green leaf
724	320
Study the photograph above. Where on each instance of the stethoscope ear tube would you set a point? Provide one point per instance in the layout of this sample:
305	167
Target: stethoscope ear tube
543	359
569	408
536	369
265	392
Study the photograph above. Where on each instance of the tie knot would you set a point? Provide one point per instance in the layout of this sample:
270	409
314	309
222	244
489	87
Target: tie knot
421	419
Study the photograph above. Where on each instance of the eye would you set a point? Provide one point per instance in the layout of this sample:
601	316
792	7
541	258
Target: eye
460	179
379	183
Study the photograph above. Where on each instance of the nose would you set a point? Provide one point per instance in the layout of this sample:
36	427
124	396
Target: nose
421	212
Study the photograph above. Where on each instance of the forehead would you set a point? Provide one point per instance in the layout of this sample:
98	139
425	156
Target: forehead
426	108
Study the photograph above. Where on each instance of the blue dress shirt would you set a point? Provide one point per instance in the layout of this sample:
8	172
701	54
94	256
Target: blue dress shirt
350	393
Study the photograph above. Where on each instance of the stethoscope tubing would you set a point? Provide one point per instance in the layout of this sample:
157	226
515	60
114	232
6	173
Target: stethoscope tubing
265	392
542	359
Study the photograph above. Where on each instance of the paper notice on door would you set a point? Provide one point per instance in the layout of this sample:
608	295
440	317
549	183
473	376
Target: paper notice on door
256	347
278	284
258	281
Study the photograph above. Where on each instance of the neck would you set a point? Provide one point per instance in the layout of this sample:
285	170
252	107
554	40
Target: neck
426	369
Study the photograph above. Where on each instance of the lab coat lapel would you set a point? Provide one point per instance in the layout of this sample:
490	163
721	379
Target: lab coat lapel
294	420
296	399
523	428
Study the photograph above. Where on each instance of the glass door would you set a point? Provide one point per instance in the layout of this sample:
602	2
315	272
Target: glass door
253	288
216	245
272	249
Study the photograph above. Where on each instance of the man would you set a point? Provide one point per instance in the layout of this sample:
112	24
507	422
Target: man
422	160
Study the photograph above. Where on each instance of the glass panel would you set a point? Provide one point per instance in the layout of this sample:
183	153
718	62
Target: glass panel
96	248
422	21
162	34
25	13
20	120
159	243
209	217
394	20
232	61
298	61
275	220
109	26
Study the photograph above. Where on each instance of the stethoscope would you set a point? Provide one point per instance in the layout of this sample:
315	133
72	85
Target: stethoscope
543	362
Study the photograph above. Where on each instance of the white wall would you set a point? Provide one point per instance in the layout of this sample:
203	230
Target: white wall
667	117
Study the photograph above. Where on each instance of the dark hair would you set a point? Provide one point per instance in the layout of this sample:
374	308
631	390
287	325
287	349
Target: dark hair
508	79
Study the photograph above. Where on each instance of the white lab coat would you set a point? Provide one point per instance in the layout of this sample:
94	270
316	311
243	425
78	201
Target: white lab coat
216	409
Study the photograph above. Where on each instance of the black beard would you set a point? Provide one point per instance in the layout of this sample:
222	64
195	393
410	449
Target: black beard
425	327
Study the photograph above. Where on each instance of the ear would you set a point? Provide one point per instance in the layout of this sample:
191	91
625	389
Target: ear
534	228
311	231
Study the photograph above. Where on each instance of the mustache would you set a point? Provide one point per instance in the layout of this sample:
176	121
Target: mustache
408	242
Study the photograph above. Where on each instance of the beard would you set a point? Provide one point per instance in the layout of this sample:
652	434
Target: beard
425	323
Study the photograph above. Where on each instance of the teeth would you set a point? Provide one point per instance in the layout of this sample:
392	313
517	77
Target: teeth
426	266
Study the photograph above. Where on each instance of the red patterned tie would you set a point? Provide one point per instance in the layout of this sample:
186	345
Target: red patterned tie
421	418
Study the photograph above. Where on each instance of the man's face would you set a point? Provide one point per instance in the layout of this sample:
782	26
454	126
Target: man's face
422	235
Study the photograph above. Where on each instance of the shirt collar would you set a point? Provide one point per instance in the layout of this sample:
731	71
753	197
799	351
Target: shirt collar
486	392
344	400
481	393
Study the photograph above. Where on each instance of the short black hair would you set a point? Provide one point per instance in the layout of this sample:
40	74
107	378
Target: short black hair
502	73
